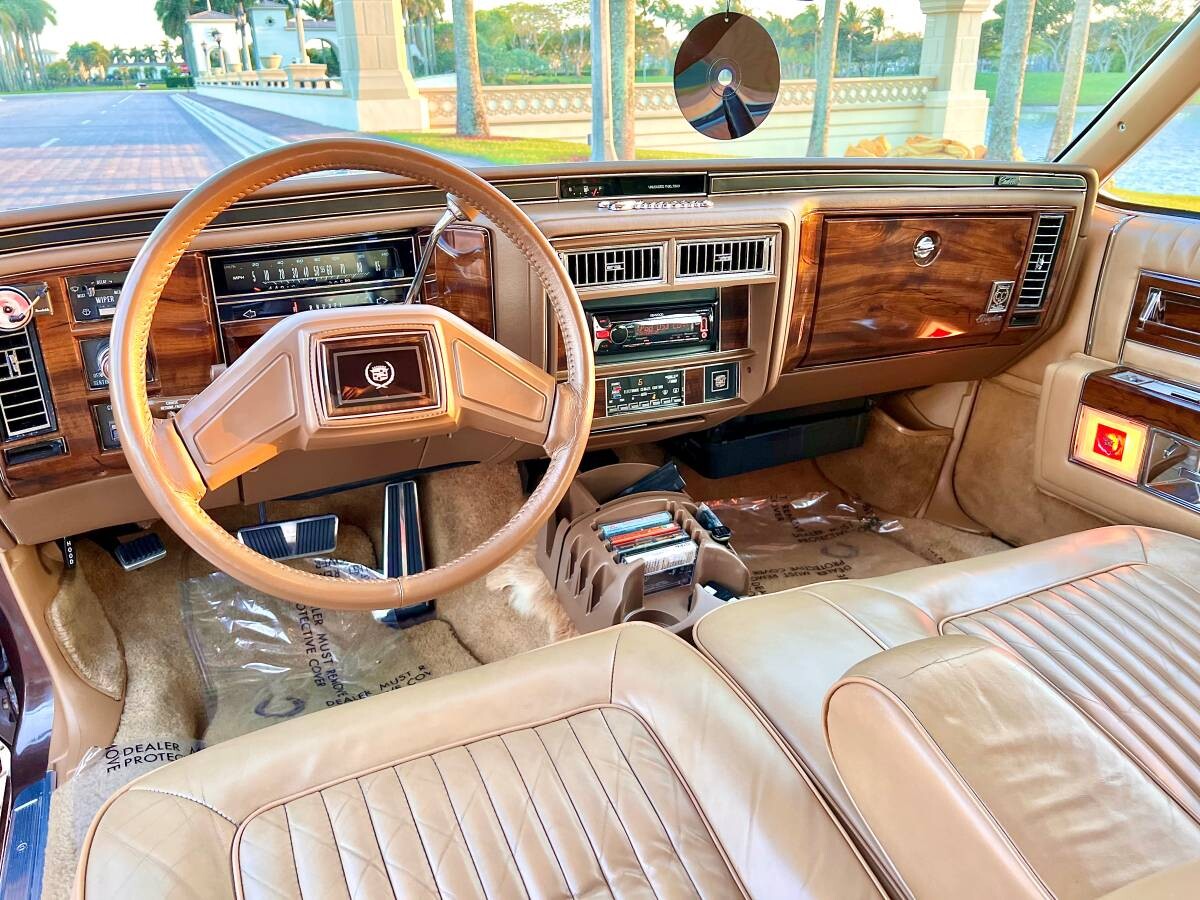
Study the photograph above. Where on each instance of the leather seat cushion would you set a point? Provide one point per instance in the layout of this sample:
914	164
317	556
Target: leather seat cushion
618	763
1109	617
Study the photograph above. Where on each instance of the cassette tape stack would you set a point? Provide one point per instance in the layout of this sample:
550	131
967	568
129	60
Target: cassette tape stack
658	541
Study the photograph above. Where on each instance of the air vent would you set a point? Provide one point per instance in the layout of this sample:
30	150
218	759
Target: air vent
711	258
1041	261
642	264
25	407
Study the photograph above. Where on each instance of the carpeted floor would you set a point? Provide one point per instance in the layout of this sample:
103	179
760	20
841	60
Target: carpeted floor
129	635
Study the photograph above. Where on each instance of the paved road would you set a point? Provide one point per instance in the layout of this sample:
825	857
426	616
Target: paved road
59	148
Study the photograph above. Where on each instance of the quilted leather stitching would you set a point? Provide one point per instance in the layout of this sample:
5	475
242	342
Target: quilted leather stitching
1121	645
584	806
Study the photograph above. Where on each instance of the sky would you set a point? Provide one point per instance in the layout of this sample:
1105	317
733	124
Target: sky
115	23
132	23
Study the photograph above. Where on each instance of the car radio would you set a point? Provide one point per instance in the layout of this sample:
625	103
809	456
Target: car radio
645	325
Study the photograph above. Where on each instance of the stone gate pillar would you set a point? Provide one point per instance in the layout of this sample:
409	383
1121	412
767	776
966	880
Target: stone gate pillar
950	55
374	61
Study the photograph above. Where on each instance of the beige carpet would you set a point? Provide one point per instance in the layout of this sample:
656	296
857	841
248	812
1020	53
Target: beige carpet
170	706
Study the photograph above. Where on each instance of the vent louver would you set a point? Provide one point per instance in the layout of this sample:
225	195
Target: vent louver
602	267
25	407
1038	268
738	256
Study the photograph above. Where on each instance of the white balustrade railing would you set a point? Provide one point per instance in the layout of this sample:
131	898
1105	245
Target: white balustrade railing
278	79
572	102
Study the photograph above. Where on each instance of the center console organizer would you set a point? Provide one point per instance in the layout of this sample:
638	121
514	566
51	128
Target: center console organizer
595	589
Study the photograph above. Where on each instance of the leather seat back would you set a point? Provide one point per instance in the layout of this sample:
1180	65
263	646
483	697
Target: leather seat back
980	780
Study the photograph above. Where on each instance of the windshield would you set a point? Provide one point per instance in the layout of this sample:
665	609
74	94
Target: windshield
126	97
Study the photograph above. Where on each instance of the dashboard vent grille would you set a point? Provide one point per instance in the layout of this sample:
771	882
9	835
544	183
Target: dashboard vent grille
1046	240
25	407
607	266
739	256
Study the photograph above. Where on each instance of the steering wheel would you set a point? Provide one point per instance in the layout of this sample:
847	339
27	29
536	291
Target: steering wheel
346	377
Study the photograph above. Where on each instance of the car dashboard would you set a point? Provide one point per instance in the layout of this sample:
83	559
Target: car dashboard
709	294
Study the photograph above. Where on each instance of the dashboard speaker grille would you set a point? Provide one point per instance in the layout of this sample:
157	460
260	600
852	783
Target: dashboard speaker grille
1046	240
602	267
739	256
25	405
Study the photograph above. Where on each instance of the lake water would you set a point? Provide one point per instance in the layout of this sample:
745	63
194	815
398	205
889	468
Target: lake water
1168	164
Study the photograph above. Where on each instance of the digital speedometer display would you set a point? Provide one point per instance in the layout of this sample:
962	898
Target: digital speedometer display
278	273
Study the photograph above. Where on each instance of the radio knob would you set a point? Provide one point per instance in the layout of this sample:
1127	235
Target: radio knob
104	364
619	335
16	309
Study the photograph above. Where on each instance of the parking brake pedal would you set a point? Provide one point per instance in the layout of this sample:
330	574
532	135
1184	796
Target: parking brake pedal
292	538
403	549
131	547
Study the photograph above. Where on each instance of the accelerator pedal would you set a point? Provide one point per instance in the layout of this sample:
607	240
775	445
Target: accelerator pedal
132	547
292	538
403	549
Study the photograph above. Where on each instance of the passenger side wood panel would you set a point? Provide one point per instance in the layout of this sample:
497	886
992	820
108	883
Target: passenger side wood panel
875	299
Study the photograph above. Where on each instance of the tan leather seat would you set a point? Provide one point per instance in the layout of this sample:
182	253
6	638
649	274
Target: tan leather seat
980	780
619	763
1110	618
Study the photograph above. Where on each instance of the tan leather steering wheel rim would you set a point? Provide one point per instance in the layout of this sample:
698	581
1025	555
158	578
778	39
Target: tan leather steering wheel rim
163	462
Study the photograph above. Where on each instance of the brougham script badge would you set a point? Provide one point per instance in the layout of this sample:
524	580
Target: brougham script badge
380	374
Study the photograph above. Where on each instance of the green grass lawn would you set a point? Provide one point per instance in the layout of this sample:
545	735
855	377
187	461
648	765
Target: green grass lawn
1044	88
504	151
76	88
1144	198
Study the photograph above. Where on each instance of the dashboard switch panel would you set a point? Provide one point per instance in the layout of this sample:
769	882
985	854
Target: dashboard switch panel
641	393
106	427
94	297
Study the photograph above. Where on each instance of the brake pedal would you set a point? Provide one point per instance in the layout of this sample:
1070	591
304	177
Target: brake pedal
292	538
131	547
403	549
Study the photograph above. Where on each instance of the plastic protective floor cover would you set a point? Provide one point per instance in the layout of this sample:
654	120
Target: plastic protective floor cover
791	541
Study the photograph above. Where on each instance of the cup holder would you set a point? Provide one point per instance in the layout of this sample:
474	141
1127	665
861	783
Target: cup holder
653	616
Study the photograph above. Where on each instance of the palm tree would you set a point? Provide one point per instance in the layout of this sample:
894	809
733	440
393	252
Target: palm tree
98	57
1068	98
318	9
853	28
166	52
602	135
77	56
1010	80
877	24
624	17
172	14
420	19
21	22
825	63
470	119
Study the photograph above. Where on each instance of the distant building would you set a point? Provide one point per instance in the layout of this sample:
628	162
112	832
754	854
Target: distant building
216	42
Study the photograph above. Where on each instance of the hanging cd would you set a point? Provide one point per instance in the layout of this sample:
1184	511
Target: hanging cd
727	76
